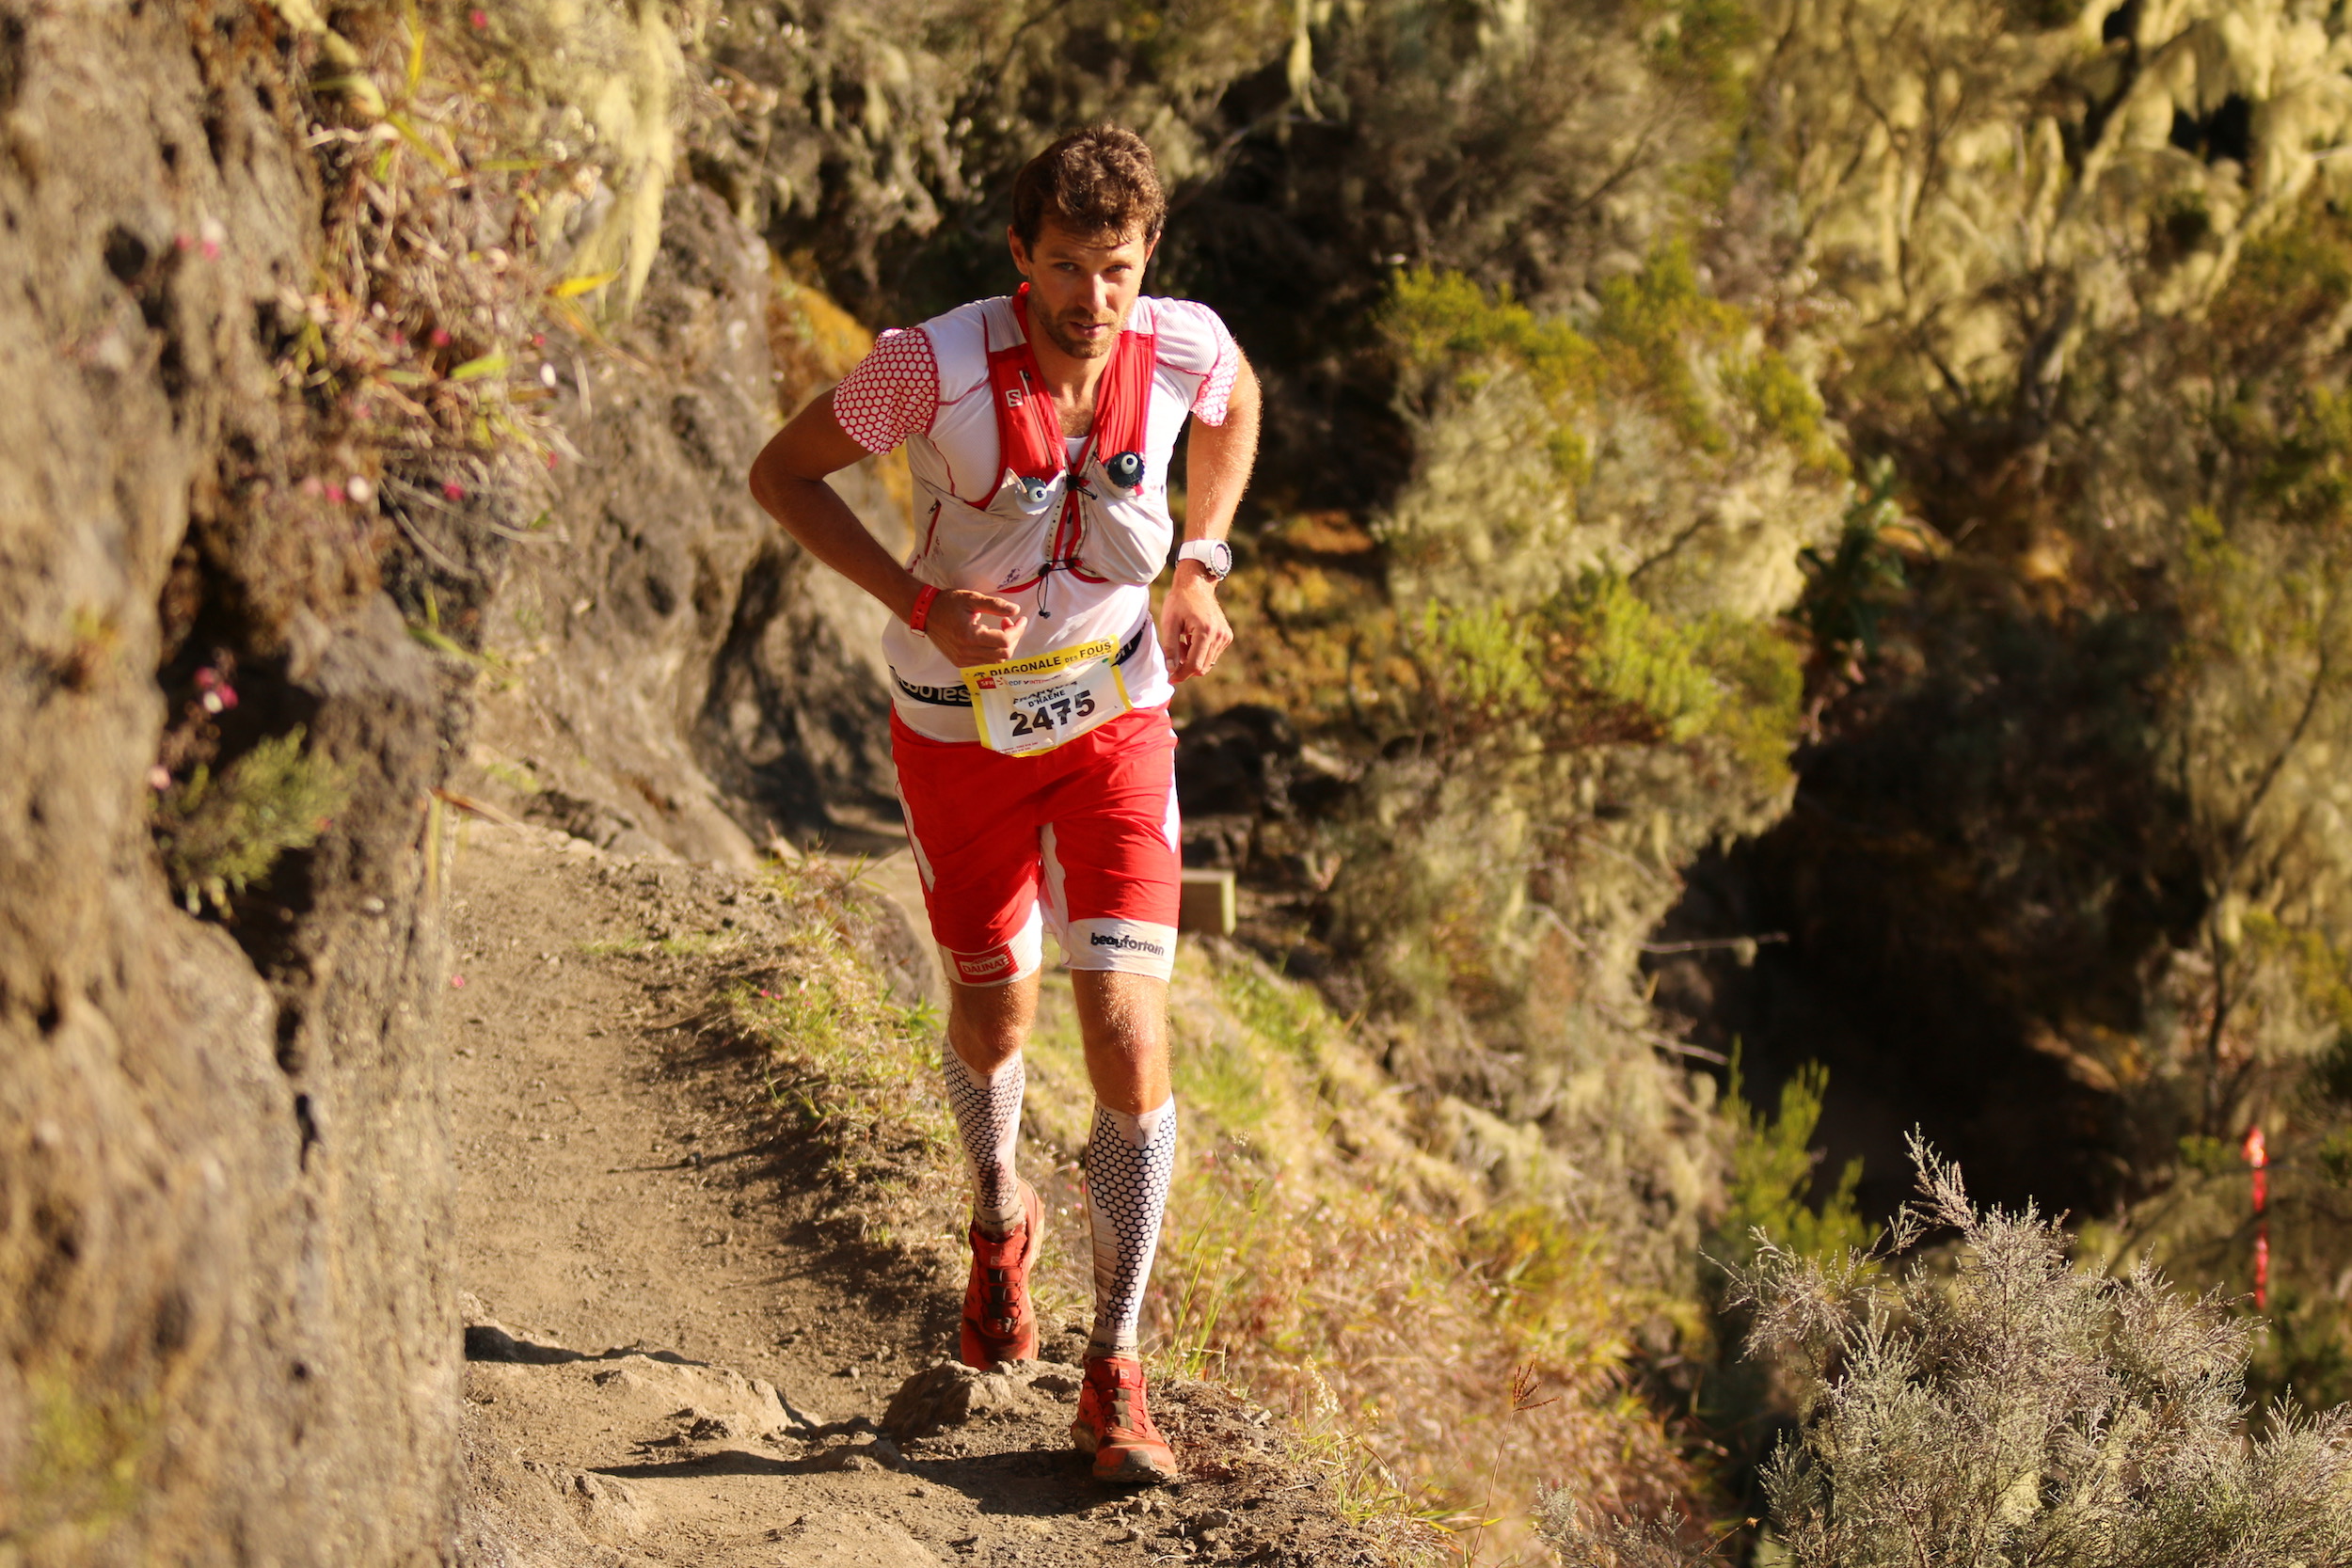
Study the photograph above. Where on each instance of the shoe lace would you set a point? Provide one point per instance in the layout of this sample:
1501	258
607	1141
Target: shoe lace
1001	1277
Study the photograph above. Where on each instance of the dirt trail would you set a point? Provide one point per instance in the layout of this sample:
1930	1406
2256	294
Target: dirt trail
671	1357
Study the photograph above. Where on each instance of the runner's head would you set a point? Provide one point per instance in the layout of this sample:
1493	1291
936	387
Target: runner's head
1086	216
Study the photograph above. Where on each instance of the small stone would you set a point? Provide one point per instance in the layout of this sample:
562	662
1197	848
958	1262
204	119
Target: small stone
850	1460
711	1428
949	1394
867	1453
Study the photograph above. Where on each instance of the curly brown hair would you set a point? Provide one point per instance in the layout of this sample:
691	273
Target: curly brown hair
1098	181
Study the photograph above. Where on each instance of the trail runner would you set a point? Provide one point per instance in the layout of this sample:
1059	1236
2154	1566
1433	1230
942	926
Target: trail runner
1030	724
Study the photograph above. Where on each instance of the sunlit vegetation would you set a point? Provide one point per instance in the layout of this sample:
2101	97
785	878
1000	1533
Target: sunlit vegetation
219	834
1936	413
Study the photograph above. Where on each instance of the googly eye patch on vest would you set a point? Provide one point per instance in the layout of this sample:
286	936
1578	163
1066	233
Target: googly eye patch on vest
1032	494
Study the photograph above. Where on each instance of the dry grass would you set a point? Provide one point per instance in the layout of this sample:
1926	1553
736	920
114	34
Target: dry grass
855	1070
431	290
485	185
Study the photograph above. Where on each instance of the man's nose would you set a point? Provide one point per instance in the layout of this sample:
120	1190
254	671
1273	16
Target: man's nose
1103	295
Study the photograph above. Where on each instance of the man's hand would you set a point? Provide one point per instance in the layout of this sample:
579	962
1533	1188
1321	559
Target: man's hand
1193	627
974	628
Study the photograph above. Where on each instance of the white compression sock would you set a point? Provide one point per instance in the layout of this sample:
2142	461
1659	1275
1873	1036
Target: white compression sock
988	1114
1130	1161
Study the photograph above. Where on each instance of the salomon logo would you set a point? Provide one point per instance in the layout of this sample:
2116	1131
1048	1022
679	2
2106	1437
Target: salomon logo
1016	397
1126	944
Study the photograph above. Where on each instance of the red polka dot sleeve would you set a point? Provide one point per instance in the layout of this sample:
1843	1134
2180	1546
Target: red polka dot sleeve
892	393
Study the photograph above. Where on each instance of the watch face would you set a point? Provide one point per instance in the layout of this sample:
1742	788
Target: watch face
1214	556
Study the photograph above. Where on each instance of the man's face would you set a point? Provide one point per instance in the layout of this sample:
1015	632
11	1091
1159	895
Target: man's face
1081	286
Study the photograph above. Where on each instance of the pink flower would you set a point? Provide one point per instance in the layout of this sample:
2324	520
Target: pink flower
551	459
480	19
458	981
440	336
453	490
207	678
184	242
159	777
335	493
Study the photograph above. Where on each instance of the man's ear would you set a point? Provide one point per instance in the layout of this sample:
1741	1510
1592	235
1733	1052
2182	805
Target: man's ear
1019	252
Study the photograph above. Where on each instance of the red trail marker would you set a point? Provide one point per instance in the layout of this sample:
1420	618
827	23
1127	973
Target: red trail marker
2258	1156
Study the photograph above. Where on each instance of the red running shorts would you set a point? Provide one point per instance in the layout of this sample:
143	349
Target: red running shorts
1082	837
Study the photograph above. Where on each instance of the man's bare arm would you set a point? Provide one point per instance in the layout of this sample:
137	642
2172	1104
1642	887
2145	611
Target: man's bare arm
788	480
1217	459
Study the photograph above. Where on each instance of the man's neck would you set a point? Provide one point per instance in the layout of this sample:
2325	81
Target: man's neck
1069	381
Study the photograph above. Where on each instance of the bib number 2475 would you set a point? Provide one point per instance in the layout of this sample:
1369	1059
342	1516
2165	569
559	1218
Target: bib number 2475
1034	704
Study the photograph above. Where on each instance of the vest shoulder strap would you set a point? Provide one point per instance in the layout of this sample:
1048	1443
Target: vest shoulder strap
1028	436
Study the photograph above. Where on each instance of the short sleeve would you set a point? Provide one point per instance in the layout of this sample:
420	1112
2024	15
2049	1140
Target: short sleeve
890	394
1193	341
1210	403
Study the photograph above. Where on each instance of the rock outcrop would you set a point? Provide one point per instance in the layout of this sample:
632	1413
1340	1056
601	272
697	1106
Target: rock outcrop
687	679
227	1324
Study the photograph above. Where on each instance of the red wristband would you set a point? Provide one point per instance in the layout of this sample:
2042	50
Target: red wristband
921	613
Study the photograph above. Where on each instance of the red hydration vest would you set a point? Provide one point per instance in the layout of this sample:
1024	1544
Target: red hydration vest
1029	441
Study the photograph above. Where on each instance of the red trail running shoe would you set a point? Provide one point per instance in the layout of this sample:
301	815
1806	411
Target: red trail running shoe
998	1324
1115	1425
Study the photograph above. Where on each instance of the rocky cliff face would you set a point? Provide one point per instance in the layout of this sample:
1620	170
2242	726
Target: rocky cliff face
227	1321
675	674
227	1331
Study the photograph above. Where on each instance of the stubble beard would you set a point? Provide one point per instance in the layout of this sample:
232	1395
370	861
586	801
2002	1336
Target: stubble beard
1076	347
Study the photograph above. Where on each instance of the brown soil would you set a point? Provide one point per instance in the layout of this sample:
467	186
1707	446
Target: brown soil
678	1353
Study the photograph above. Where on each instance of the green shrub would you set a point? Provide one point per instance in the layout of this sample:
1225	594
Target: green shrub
220	833
1444	322
1630	655
1772	1172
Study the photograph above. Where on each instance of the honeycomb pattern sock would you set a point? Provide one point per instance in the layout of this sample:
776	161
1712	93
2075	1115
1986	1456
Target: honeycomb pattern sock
1130	1161
988	1114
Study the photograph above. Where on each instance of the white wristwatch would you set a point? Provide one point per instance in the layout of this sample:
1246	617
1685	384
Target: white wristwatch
1215	555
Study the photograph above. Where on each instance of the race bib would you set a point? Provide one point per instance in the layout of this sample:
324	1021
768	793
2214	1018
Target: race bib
1033	704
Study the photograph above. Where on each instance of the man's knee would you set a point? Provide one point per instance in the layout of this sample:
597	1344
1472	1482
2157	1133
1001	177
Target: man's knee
1122	1011
989	1024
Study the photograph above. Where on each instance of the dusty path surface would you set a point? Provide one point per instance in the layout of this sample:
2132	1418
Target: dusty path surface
672	1354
